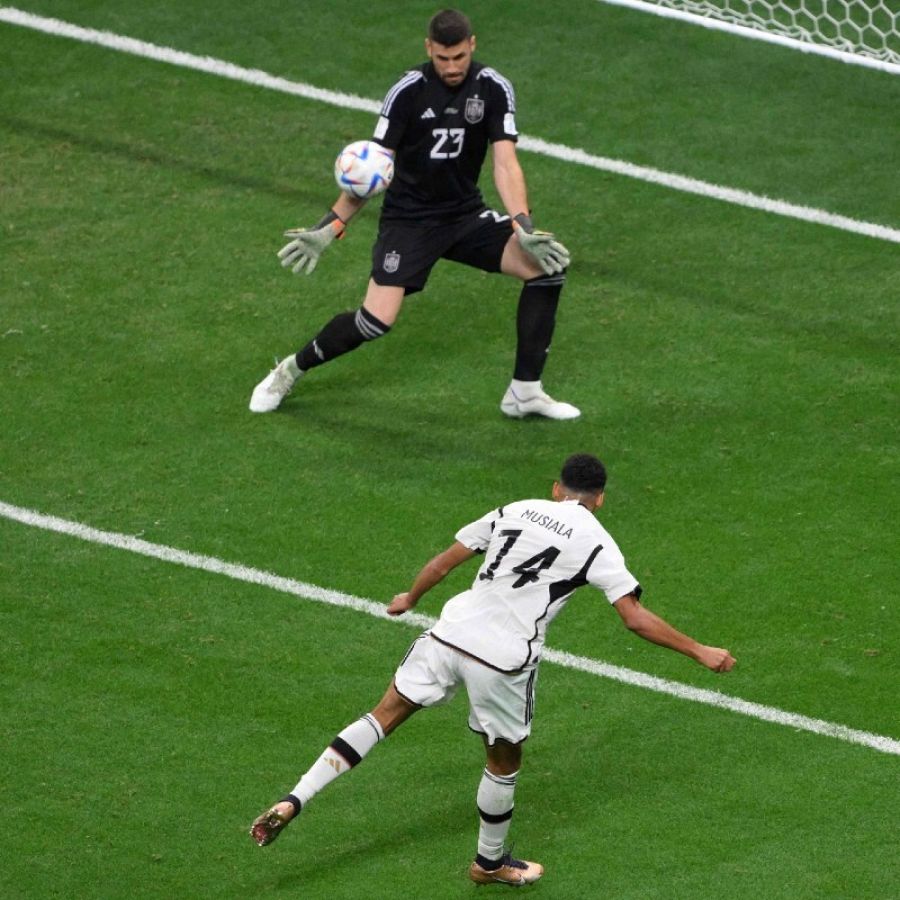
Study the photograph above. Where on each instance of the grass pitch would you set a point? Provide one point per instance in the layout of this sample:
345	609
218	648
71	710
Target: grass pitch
736	371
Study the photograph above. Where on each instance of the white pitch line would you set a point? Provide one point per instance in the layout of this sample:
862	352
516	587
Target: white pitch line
306	591
224	69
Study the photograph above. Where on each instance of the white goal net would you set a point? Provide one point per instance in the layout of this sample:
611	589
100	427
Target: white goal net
866	29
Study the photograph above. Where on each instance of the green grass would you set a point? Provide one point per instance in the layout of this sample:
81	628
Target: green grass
737	372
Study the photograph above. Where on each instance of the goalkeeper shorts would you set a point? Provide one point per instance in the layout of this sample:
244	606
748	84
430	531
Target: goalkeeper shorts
404	253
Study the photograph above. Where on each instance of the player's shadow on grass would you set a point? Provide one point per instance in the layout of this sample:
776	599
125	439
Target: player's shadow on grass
143	153
430	829
420	423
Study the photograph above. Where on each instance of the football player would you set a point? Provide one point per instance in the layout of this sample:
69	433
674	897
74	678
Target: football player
489	639
439	120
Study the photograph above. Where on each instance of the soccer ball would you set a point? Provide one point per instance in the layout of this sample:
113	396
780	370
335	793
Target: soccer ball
363	169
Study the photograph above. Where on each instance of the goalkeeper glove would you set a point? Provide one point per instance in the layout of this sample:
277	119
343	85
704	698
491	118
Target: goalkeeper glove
550	254
307	245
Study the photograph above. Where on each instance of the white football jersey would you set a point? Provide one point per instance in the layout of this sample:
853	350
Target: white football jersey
537	552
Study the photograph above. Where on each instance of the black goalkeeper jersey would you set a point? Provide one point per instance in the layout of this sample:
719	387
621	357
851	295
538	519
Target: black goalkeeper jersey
440	136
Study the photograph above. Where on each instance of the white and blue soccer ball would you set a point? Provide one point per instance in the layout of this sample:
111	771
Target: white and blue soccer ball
363	169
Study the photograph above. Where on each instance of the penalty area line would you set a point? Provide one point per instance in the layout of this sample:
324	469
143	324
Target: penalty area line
318	594
572	155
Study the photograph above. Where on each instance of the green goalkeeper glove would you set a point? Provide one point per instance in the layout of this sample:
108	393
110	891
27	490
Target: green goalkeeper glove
550	254
307	245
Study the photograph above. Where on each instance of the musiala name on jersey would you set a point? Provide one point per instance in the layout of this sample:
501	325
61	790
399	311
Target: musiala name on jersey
548	522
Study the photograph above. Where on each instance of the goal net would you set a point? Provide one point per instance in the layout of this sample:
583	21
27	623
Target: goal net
866	29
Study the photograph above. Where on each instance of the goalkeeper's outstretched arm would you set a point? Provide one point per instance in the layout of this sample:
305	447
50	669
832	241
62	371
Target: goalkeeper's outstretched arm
306	245
346	207
542	246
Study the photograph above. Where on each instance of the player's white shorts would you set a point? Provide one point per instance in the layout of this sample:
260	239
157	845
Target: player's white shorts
500	705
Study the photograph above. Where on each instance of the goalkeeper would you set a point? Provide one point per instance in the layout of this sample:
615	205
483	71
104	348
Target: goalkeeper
439	120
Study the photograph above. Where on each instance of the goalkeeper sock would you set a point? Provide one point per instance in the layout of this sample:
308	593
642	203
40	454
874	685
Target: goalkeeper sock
344	752
345	332
535	320
495	809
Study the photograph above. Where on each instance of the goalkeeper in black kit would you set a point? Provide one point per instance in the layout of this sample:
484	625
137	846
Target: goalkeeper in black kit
439	120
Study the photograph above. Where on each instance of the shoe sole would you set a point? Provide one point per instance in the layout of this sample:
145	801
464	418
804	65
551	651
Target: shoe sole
514	412
268	409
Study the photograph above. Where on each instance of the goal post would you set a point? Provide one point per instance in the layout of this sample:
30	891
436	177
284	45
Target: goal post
863	32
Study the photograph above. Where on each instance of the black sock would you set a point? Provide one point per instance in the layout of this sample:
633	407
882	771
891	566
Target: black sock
345	332
535	320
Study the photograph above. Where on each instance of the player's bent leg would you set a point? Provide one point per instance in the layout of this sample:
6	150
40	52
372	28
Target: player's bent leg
503	757
384	301
517	263
493	864
535	323
349	330
495	802
345	332
344	753
393	710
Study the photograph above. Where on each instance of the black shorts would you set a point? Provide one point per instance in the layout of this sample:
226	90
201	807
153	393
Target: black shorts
404	254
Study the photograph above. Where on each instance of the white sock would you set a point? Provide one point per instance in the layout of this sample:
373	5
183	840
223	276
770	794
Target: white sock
495	809
290	363
525	390
344	752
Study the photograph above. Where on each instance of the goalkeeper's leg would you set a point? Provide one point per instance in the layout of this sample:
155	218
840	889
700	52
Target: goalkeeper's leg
535	323
345	332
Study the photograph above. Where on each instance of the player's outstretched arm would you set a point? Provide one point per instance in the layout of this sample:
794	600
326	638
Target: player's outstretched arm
652	628
434	571
302	252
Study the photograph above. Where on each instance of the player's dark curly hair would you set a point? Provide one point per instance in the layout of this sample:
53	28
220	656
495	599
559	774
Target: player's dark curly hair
583	474
449	27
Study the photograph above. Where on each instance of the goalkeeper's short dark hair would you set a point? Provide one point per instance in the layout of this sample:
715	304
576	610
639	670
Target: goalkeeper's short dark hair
583	474
449	27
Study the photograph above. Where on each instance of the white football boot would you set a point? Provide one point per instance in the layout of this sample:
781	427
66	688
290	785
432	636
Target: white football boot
528	398
269	393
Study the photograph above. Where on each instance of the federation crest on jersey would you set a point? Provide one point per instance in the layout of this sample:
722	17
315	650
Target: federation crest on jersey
391	262
474	111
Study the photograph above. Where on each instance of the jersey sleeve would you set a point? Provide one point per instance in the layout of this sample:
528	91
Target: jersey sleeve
501	123
608	573
477	535
395	111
